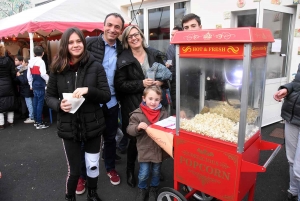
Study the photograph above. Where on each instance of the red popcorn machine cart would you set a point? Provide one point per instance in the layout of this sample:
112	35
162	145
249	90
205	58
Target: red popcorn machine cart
220	79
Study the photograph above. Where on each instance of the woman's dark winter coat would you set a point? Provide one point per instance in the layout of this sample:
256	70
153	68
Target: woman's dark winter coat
7	75
88	121
290	110
129	80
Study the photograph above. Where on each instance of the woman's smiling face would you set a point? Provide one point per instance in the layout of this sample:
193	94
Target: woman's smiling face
134	39
75	46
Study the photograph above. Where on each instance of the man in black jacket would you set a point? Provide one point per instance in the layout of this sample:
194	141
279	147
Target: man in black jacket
105	48
290	113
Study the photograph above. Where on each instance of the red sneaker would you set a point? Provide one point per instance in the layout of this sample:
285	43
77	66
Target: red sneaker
114	177
80	186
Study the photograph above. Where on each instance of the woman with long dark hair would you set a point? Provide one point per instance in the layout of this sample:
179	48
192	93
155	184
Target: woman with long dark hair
76	71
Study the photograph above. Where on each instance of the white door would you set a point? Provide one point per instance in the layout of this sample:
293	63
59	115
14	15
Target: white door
280	21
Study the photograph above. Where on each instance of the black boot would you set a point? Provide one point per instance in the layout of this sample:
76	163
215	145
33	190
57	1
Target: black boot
131	158
141	195
92	195
152	193
70	197
130	178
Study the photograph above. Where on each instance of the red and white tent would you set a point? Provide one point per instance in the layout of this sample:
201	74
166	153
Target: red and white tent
55	17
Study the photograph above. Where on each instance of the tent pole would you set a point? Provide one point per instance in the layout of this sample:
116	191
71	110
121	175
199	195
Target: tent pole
31	45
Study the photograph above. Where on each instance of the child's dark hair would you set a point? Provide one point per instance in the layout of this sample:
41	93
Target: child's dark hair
19	57
26	60
155	88
38	50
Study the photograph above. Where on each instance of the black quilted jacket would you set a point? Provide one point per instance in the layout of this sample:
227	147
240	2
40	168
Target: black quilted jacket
88	121
129	81
96	46
290	110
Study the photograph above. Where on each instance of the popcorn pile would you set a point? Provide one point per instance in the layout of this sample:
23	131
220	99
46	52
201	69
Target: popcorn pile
216	126
225	110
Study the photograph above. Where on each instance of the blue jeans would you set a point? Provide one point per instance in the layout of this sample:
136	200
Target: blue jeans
144	173
29	105
109	135
38	104
292	144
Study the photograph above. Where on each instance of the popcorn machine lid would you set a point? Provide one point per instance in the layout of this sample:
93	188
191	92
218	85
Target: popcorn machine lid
231	35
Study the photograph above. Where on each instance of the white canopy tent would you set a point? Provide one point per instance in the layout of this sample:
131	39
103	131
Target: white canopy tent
55	17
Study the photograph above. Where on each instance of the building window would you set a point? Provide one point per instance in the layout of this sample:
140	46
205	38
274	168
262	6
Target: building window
156	21
180	9
159	28
137	17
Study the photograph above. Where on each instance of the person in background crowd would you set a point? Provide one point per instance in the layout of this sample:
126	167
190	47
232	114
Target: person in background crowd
7	94
37	79
10	56
171	64
25	91
20	101
130	82
290	112
150	154
76	71
171	51
18	62
105	48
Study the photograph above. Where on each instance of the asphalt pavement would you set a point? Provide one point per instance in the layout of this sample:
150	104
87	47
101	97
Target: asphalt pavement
33	167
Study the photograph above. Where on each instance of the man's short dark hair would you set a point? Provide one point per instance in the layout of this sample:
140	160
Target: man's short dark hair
117	15
38	50
189	17
178	28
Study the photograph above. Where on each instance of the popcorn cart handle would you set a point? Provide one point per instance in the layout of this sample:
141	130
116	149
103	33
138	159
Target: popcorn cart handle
264	145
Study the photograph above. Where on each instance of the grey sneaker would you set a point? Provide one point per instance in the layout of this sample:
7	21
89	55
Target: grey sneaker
41	126
28	121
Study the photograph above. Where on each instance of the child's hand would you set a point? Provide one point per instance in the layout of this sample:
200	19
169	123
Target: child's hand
142	125
65	105
79	92
18	74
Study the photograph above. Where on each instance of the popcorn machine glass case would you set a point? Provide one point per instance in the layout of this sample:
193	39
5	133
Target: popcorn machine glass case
220	79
